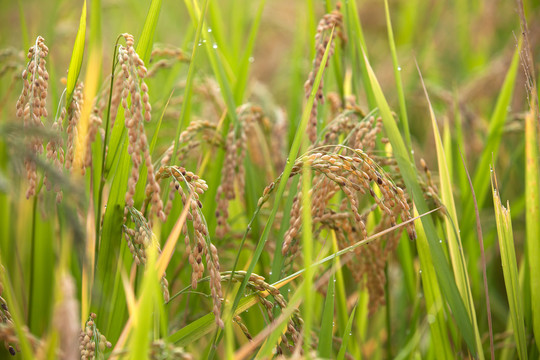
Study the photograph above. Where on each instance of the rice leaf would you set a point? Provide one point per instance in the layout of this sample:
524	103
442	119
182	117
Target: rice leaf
346	335
509	265
307	252
397	75
76	57
434	300
146	39
532	214
327	322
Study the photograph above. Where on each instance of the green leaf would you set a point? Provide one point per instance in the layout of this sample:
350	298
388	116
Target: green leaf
146	40
509	266
76	56
327	323
346	335
532	215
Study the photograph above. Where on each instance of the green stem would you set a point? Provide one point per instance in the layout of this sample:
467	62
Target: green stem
32	262
104	155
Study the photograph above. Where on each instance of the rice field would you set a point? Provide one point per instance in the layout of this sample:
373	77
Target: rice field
269	179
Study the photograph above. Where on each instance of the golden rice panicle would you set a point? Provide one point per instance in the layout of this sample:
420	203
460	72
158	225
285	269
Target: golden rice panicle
139	240
92	343
212	261
137	110
233	169
31	106
328	22
94	124
55	154
257	284
73	116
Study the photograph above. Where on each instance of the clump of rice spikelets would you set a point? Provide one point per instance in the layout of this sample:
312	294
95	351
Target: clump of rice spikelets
188	140
292	337
66	319
169	56
233	168
139	239
360	179
133	73
92	343
73	116
55	154
333	20
31	105
201	243
94	124
159	350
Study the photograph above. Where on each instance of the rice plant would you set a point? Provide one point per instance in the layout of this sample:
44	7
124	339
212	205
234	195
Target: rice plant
253	179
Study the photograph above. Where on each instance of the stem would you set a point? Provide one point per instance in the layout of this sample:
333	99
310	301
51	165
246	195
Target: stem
32	262
104	155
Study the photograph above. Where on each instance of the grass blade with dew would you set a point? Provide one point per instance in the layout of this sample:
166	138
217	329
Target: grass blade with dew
397	75
457	257
76	57
327	323
444	273
509	266
346	335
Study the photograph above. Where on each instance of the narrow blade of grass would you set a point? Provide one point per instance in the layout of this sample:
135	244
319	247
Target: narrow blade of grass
434	299
327	322
346	336
532	215
397	75
509	265
76	57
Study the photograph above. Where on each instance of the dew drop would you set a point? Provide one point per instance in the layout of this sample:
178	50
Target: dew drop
209	30
270	273
420	271
399	68
350	334
214	46
440	241
251	59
